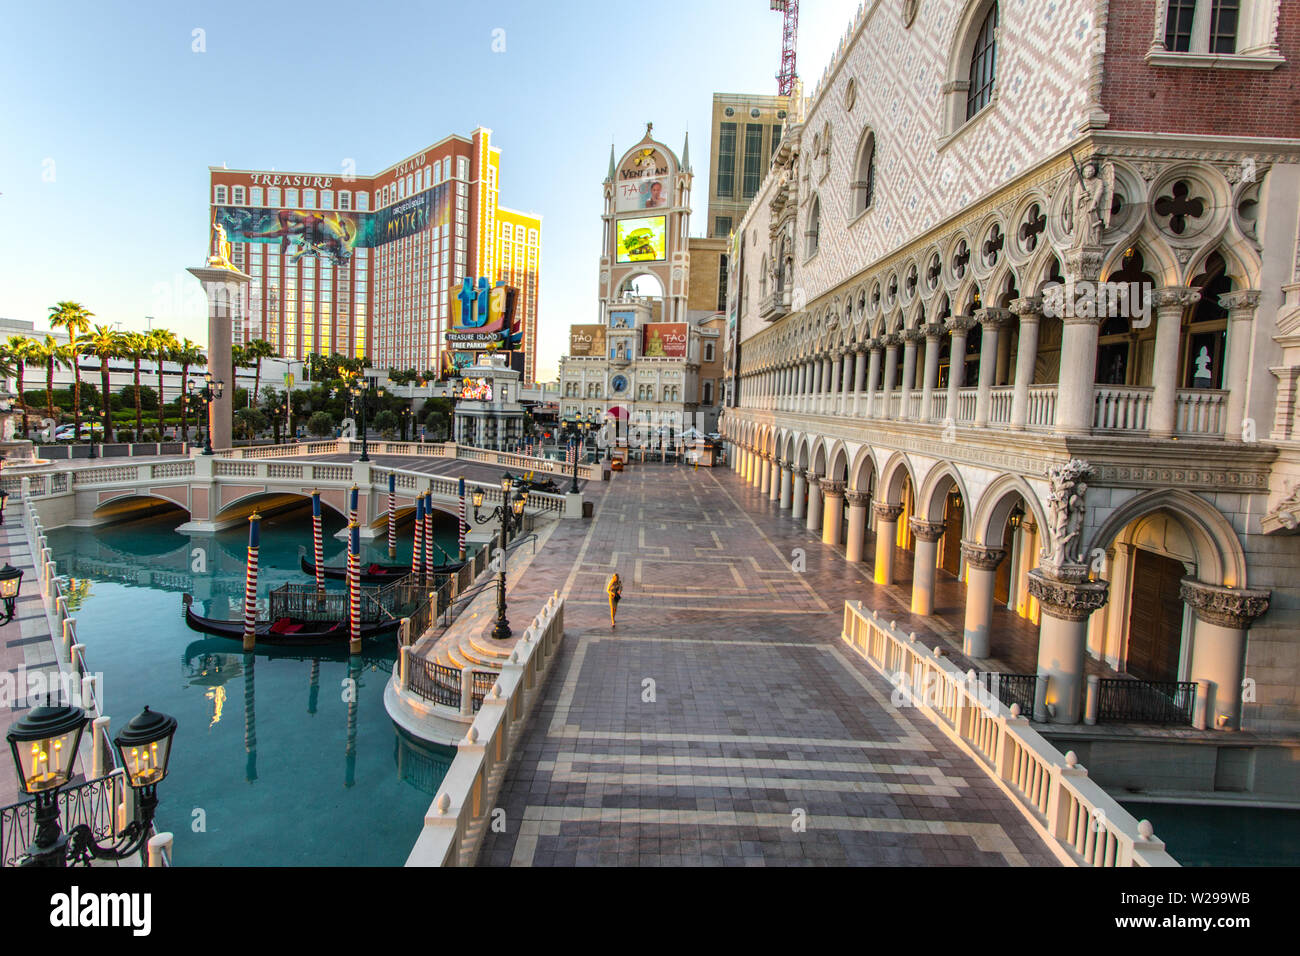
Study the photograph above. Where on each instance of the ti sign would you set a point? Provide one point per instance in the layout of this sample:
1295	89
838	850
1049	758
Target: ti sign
486	319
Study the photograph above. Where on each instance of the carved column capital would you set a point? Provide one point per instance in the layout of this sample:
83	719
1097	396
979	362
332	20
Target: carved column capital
960	323
927	530
1227	607
1084	262
993	317
887	512
1175	297
912	336
1029	308
832	488
893	340
981	556
813	478
1066	600
857	499
1241	305
933	330
877	344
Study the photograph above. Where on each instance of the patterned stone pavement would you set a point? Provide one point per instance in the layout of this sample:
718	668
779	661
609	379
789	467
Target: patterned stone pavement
722	722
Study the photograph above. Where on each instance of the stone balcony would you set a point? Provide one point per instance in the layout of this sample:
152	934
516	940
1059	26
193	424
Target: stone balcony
775	305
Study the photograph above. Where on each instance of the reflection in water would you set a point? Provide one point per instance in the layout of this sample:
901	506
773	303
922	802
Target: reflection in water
129	577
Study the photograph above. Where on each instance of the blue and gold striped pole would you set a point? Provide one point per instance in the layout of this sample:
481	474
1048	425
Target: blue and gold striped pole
429	561
250	582
392	516
352	503
317	544
354	587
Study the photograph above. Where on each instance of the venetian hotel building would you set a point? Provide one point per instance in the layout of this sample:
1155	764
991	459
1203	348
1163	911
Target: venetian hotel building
368	266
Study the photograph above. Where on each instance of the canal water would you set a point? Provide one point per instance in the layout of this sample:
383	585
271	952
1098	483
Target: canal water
1224	835
276	760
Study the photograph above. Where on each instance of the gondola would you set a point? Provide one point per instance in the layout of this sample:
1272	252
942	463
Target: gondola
378	573
287	631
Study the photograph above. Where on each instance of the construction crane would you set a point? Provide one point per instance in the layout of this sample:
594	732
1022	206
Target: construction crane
789	30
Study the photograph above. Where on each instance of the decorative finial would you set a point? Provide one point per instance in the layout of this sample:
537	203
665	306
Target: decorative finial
648	128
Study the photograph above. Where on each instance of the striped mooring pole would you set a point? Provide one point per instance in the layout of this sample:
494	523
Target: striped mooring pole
429	560
317	545
392	516
354	587
417	553
250	582
460	521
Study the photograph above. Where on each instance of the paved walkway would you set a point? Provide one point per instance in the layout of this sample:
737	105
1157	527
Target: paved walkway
444	468
723	721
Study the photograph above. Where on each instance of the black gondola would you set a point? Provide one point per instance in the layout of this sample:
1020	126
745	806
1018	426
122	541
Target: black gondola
378	573
288	631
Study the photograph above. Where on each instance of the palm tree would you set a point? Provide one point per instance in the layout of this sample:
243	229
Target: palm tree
22	350
137	348
161	345
238	357
255	351
74	318
106	344
50	353
188	354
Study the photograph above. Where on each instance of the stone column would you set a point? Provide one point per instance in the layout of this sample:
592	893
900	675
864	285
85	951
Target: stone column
859	378
892	343
1030	310
833	394
911	337
992	320
857	534
1062	637
814	518
873	377
846	379
927	534
981	570
786	487
774	491
1223	620
932	333
829	373
764	475
886	532
798	504
832	510
1077	379
1170	305
225	287
958	326
818	371
1241	308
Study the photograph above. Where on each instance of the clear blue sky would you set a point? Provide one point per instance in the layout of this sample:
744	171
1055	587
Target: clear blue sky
109	120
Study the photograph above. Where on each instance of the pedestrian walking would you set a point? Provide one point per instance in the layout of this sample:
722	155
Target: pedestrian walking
615	591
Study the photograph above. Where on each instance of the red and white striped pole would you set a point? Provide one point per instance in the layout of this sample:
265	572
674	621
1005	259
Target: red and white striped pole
417	553
460	522
428	532
392	516
250	582
354	587
317	545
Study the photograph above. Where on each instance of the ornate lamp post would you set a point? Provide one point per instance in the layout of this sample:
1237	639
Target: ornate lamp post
44	744
514	499
209	393
361	390
91	410
11	580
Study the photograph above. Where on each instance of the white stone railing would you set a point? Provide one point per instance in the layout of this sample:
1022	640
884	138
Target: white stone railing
1000	405
914	405
1121	407
938	406
1041	410
1082	823
1200	411
966	399
462	808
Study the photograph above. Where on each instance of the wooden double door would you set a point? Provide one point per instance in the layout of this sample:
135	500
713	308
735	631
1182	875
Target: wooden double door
1155	620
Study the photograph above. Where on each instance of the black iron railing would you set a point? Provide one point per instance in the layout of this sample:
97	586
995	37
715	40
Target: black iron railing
1128	700
483	681
434	682
1011	689
92	802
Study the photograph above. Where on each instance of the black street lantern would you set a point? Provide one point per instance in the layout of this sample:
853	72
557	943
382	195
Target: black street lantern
209	393
361	390
11	580
514	500
44	744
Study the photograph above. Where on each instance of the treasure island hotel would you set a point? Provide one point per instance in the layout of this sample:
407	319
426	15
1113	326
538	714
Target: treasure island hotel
368	266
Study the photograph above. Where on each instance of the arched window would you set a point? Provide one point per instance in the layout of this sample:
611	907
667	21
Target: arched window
983	64
864	185
814	226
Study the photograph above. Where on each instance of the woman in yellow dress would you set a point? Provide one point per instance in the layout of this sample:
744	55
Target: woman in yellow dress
615	591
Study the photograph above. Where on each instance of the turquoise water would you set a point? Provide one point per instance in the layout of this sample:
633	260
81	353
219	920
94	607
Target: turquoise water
275	762
1224	835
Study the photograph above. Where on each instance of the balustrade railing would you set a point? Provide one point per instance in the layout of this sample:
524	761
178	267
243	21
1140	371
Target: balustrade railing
1135	701
1084	824
1200	411
966	399
1041	410
938	406
1000	405
1121	408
